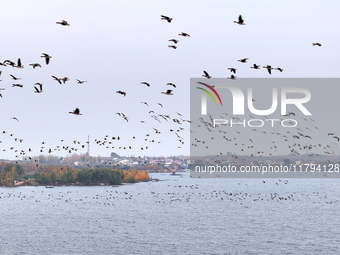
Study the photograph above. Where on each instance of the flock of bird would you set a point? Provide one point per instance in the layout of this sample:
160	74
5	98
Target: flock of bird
159	117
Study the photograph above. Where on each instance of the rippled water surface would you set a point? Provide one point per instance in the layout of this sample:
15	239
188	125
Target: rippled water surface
177	215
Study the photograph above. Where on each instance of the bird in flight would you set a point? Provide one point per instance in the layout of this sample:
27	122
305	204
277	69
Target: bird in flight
63	23
269	68
168	92
19	64
121	92
171	84
168	19
14	78
174	41
184	34
145	83
172	46
233	70
14	118
34	65
317	44
240	20
47	58
57	79
76	112
206	74
279	69
243	60
80	82
36	89
255	66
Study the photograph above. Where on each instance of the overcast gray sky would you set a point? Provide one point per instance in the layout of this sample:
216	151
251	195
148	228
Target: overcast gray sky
115	45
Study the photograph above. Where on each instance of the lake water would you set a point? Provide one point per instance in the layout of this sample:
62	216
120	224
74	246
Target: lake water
178	215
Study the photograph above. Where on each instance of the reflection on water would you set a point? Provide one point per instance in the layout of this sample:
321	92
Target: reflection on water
177	215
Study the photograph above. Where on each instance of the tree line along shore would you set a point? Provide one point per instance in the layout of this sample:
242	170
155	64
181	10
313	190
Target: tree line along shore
12	174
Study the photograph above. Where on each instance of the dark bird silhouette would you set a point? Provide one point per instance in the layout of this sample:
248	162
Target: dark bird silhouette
174	41
40	88
206	74
240	20
233	70
19	64
172	46
269	68
243	60
63	23
57	79
34	65
279	69
168	19
317	44
168	92
145	83
184	34
15	78
17	85
171	84
14	118
76	112
255	66
47	58
121	92
80	81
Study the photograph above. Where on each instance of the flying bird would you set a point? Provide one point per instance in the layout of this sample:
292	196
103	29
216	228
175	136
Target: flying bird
184	34
15	78
19	64
121	92
240	20
255	66
36	89
206	74
63	23
174	41
80	82
47	58
168	19
233	70
168	92
34	65
145	83
317	44
269	68
171	84
76	112
172	46
279	69
14	118
243	60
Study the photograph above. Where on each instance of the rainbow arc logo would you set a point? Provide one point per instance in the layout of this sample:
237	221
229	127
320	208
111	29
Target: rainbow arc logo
209	93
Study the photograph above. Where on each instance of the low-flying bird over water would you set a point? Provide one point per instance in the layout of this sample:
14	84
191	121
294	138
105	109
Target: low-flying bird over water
168	19
63	23
76	112
240	20
47	58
